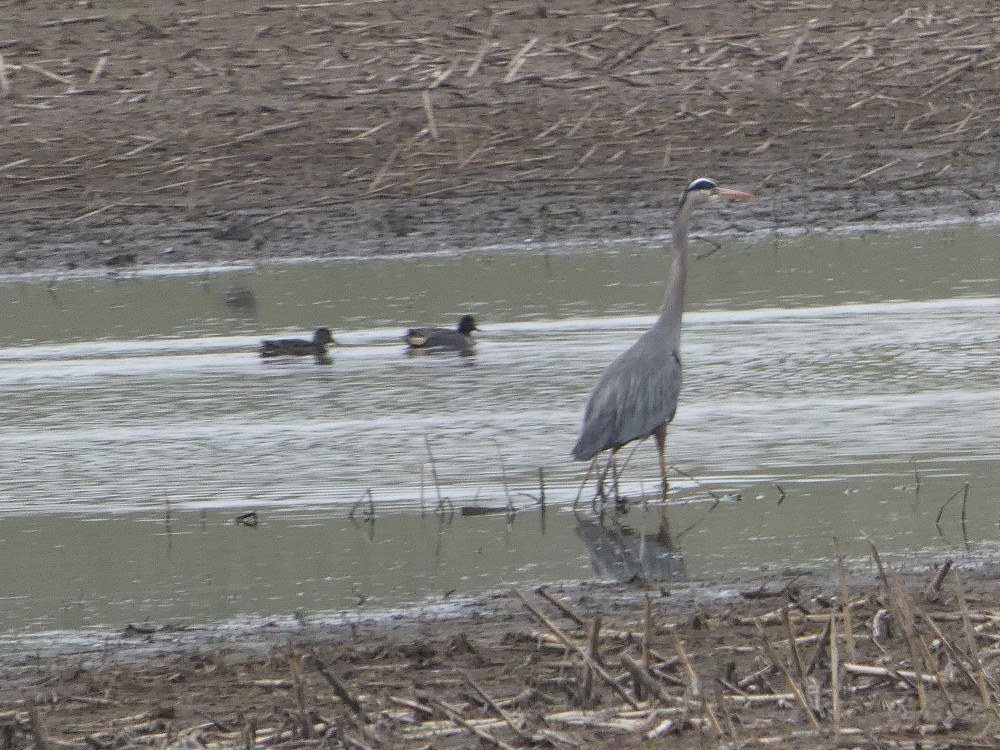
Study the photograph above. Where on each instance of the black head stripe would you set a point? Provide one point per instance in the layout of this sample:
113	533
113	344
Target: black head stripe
702	183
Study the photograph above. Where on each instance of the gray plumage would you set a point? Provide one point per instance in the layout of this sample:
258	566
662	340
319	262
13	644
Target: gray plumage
454	339
637	395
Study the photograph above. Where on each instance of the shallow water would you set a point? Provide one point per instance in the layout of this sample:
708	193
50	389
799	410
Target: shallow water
834	387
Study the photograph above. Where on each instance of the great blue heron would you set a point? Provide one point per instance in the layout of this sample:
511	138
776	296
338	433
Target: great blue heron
443	339
637	395
316	347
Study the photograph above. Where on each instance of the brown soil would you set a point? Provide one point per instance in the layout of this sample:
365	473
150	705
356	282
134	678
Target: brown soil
212	131
587	667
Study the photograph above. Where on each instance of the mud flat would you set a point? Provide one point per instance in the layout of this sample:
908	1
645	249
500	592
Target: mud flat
213	131
898	661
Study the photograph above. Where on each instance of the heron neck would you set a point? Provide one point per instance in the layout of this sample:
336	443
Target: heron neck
673	298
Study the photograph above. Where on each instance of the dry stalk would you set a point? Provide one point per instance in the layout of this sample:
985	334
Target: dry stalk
569	643
484	48
429	112
99	66
472	729
561	606
793	645
933	590
255	135
593	641
692	677
647	631
796	689
899	675
845	605
498	710
74	20
38	731
518	60
339	688
900	606
970	638
834	674
643	679
932	663
295	665
5	89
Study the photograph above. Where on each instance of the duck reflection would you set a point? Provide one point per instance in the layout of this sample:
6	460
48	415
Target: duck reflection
620	553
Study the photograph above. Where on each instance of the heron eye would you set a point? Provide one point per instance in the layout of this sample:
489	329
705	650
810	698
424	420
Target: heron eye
702	183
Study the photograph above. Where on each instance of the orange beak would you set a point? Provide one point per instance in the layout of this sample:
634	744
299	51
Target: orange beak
736	195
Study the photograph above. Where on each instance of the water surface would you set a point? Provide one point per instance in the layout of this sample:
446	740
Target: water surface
834	386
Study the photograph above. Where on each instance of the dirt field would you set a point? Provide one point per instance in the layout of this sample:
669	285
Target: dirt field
210	131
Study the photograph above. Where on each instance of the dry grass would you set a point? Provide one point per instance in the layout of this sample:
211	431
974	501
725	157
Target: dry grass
282	107
884	667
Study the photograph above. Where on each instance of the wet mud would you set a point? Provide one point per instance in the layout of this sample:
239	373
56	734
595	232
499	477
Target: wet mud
215	132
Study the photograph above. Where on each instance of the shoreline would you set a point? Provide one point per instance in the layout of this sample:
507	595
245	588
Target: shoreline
235	262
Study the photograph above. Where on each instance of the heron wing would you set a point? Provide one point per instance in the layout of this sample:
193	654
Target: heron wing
635	395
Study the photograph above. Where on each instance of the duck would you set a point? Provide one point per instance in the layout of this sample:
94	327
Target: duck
316	347
441	339
240	297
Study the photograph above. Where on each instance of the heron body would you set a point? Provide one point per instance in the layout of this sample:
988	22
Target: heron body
443	339
315	347
637	395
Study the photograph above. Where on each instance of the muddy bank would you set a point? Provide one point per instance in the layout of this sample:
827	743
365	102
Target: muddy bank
790	661
213	131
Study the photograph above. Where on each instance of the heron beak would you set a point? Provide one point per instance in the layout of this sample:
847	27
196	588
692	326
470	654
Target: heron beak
732	194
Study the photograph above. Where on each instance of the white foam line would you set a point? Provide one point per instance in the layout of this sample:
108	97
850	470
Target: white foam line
709	317
383	337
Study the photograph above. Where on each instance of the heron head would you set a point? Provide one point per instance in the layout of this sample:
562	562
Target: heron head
706	188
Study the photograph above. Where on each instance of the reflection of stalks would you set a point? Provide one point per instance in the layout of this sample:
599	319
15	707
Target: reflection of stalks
445	509
422	506
617	471
167	519
540	497
701	485
369	512
511	510
434	475
445	516
965	499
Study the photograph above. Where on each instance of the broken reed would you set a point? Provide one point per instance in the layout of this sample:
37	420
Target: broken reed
921	672
647	88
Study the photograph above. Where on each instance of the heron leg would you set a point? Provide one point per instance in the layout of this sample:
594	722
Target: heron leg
663	532
660	433
601	492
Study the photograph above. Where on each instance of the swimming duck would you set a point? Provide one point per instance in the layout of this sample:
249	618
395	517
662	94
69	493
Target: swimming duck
240	297
298	347
454	339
